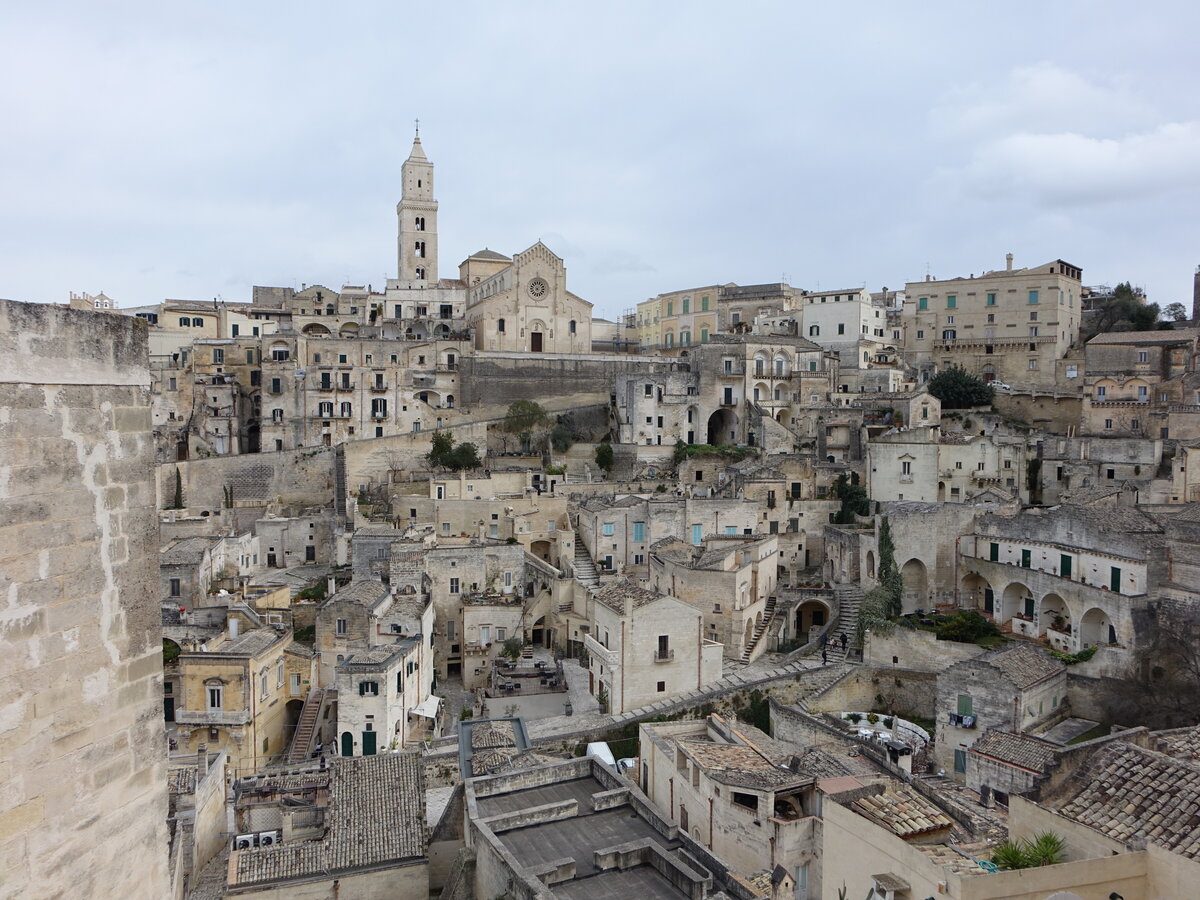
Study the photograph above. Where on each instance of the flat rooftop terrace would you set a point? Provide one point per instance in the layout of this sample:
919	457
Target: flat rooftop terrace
580	789
640	882
579	838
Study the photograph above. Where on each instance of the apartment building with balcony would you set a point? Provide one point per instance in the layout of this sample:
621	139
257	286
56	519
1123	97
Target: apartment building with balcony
1009	325
645	646
847	321
1142	384
932	465
674	321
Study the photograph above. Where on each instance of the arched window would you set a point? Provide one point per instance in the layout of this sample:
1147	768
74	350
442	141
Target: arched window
197	322
782	364
500	326
814	330
571	326
450	401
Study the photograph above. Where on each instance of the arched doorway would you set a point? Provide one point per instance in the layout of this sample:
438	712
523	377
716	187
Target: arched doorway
315	329
1017	600
1054	613
941	492
539	632
291	717
347	744
749	634
976	593
916	585
870	563
721	426
811	617
540	549
1096	629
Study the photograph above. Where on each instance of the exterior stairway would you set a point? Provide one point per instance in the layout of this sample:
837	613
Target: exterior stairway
585	569
760	630
306	727
849	599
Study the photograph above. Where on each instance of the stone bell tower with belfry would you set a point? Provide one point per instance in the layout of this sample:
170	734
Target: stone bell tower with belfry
417	214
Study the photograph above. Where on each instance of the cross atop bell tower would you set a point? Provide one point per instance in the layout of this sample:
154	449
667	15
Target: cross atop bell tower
417	215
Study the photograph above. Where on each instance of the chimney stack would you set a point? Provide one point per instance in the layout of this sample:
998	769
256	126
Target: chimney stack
1008	262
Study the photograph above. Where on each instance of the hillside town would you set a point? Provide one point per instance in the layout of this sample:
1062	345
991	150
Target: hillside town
448	587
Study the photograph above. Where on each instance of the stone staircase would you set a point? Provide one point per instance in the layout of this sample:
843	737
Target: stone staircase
760	630
306	727
849	598
585	569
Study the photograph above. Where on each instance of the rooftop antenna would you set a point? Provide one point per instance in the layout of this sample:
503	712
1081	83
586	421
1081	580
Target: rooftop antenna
417	124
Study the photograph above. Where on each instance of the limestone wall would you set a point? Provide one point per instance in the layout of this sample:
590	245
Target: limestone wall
912	649
901	691
82	745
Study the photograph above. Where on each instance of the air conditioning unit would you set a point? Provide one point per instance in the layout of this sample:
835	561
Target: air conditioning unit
268	838
245	841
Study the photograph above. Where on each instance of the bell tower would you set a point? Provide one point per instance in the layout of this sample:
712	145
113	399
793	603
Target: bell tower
417	215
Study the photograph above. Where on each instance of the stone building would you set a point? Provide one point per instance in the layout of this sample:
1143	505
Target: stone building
935	465
1009	325
241	693
382	696
646	646
730	579
711	778
672	322
1142	384
1018	688
82	742
845	321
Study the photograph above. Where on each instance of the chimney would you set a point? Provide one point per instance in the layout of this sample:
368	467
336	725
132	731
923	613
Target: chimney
331	586
232	621
1008	262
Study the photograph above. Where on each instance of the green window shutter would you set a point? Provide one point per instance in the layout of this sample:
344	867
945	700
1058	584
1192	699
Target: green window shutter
965	707
994	552
991	299
1026	558
951	302
1033	297
362	688
1114	579
1064	565
960	761
922	303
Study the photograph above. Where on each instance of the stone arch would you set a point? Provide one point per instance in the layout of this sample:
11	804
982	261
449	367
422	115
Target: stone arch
782	365
870	563
1096	629
749	634
916	585
720	424
784	417
941	492
1051	608
761	392
976	592
762	364
811	616
1014	601
349	329
315	329
540	549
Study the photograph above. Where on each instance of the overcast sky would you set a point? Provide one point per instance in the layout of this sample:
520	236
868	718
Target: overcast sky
191	150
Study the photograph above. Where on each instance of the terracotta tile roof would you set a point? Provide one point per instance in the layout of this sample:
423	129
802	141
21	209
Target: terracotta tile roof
1021	750
1181	743
1024	665
1130	793
376	816
494	734
902	811
485	761
613	596
738	765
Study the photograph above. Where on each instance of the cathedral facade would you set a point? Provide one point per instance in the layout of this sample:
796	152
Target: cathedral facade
516	304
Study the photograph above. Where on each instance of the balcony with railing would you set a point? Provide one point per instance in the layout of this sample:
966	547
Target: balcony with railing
212	717
662	656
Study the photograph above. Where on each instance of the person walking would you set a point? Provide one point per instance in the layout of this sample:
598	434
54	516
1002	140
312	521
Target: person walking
845	642
824	657
824	640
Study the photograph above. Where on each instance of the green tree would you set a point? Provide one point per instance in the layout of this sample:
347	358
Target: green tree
604	457
512	647
442	449
523	416
562	436
959	389
889	574
177	503
681	451
854	501
465	456
1175	312
874	614
966	627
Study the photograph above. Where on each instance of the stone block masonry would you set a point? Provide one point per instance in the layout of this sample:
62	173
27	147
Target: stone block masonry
83	800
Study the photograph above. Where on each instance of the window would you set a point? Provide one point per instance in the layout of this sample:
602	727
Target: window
453	583
368	689
1108	424
949	320
922	303
687	303
185	321
571	327
607	529
216	696
1033	316
639	532
960	761
841	328
906	468
1026	559
175	588
1033	331
500	325
1101	392
704	303
662	687
1033	297
500	633
1143	356
419	249
340	627
991	299
994	552
697	534
670	308
951	301
197	323
814	330
218	356
920	335
746	801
